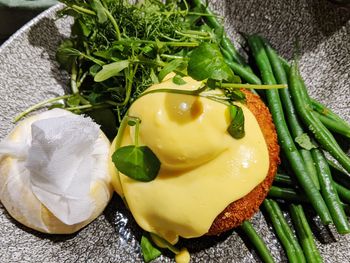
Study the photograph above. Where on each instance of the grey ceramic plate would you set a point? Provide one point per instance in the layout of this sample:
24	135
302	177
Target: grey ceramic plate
29	74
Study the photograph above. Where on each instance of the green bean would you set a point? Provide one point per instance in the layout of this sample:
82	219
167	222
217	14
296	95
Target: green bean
239	70
285	139
334	125
211	19
304	234
338	168
292	240
322	109
330	195
257	242
310	166
339	174
291	195
283	231
228	46
343	192
285	64
245	74
322	135
288	194
284	179
293	122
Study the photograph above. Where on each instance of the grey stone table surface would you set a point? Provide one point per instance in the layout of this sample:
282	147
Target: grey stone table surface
29	74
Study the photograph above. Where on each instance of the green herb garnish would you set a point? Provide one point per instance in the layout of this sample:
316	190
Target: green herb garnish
118	49
207	62
178	80
111	70
149	251
137	162
163	243
236	127
305	142
134	161
171	67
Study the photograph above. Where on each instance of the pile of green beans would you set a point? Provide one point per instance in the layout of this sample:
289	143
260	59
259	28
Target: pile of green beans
304	234
293	121
309	182
330	119
285	139
314	183
284	232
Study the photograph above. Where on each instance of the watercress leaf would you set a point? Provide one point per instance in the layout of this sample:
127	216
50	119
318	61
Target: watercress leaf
149	251
211	83
304	141
84	29
97	6
178	80
118	47
106	54
68	51
169	67
206	61
111	70
235	95
163	243
236	127
137	162
81	29
64	55
205	28
147	49
153	76
73	101
94	69
95	97
159	44
235	79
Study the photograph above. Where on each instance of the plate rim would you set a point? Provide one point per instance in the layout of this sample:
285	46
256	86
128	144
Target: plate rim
28	25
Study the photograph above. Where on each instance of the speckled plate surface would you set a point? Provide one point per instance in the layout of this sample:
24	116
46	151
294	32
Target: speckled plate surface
29	74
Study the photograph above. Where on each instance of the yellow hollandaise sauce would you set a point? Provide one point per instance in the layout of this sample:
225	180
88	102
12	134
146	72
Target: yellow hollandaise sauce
203	169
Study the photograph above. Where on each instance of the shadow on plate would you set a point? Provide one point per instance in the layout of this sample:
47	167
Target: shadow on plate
45	35
122	221
53	238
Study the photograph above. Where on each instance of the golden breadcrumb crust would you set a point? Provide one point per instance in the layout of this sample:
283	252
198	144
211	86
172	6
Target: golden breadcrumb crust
244	208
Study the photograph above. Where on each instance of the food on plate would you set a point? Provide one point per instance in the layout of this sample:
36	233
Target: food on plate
54	174
208	182
195	153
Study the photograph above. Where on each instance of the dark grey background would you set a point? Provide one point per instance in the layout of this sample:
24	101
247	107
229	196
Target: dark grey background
12	19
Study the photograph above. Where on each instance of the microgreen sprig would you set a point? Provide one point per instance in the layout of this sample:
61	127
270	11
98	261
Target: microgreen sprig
134	161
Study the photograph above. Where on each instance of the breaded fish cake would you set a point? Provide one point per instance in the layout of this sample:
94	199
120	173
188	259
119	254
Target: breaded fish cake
244	208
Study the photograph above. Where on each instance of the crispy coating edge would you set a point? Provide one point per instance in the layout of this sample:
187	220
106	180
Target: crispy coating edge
244	208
